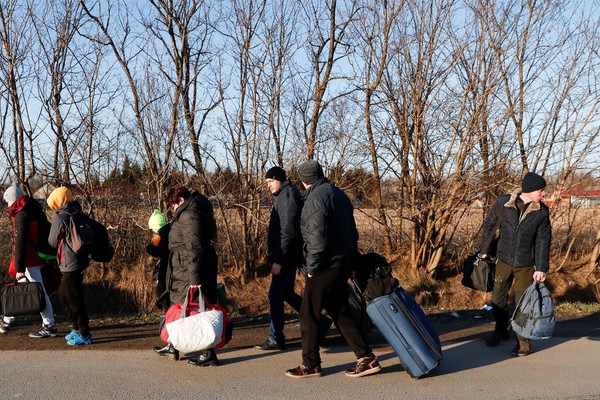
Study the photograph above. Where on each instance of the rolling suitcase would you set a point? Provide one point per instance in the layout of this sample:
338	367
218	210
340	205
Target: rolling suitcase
404	325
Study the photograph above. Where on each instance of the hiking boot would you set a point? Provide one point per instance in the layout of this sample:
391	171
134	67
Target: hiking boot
208	358
364	366
4	326
78	340
269	345
44	332
303	372
169	351
522	348
497	338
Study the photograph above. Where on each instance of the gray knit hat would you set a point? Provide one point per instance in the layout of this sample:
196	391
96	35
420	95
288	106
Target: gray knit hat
13	193
310	171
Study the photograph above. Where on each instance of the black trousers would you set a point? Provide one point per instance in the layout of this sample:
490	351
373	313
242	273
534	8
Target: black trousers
72	298
327	291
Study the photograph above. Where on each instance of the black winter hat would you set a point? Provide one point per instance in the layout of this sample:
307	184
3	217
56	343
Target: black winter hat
532	182
310	171
276	173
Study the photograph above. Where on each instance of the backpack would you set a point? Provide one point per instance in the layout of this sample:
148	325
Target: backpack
89	237
374	276
80	237
102	249
534	315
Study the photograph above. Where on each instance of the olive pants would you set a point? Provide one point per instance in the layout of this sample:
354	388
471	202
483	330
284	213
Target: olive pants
506	275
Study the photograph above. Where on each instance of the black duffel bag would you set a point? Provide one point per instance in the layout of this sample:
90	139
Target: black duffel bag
22	298
478	273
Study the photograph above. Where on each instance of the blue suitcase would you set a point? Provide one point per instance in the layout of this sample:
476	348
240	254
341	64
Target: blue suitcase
405	327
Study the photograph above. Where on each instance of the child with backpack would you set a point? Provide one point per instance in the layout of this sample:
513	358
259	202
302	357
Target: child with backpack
72	264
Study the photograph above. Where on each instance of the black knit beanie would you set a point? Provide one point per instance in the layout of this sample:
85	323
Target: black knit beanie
310	171
532	182
276	173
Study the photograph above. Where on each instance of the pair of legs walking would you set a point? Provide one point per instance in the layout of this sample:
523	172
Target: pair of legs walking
327	291
48	329
505	277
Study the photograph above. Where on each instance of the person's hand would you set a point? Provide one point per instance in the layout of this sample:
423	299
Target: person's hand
276	269
539	276
19	276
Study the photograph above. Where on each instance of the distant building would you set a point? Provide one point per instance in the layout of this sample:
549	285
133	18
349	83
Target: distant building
575	198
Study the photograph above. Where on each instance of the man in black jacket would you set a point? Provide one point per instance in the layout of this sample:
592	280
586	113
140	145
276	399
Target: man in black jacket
284	241
523	251
330	249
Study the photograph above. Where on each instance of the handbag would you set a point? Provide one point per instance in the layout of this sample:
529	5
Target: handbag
22	298
201	331
479	273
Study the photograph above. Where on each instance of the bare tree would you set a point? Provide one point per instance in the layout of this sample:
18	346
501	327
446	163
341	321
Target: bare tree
15	41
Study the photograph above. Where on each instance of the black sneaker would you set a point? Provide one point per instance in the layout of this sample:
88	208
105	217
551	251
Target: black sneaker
44	332
364	366
208	358
269	345
497	338
169	351
303	372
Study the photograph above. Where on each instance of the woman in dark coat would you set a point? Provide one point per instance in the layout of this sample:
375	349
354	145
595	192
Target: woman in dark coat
193	258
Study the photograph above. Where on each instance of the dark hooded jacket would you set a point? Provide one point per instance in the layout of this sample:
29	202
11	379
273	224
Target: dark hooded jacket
284	239
328	228
193	258
524	236
26	215
68	260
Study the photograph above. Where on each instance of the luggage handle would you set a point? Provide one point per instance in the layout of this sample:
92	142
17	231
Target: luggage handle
188	301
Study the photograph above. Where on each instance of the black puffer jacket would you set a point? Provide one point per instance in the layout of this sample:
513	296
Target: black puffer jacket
284	239
524	239
193	258
328	228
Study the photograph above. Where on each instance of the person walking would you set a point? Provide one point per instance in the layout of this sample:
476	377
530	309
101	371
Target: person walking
193	259
284	252
523	251
71	264
330	250
28	220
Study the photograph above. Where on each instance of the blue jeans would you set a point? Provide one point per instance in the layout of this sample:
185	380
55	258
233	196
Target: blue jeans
280	291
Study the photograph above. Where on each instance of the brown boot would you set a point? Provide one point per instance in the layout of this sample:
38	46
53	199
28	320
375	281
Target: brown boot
522	348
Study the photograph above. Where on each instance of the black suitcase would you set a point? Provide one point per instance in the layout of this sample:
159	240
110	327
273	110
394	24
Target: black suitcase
405	327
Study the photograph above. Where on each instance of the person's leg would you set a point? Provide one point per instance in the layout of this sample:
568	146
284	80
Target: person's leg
502	281
336	304
34	274
523	279
280	291
76	300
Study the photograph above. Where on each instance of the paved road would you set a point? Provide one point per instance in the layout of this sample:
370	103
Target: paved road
561	368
